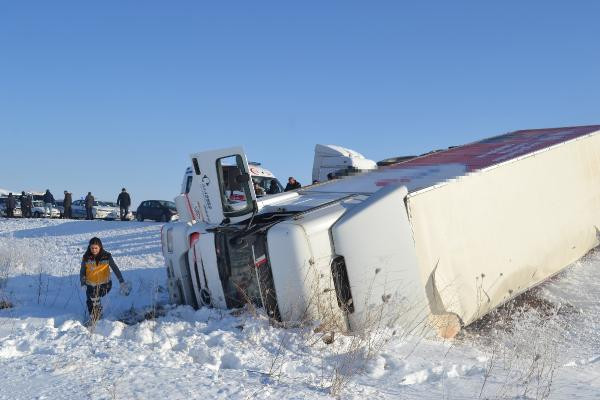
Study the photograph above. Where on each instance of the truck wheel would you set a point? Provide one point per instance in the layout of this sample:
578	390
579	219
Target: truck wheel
36	214
139	217
163	218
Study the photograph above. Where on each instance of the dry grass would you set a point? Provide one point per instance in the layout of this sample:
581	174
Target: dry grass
523	340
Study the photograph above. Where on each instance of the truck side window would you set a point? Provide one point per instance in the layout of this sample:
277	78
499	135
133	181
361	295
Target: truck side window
188	184
196	166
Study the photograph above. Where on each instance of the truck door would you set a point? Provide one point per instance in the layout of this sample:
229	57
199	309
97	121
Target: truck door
218	175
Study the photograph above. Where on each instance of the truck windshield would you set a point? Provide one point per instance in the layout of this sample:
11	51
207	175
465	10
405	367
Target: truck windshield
245	271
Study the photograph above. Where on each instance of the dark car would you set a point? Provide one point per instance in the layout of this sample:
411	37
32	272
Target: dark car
158	210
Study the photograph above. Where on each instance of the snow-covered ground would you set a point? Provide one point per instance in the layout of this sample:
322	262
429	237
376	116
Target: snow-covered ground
547	344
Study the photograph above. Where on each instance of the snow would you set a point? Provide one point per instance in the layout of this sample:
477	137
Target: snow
545	346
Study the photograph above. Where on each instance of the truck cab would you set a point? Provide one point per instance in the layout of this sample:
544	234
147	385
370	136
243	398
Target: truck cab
186	282
314	254
333	162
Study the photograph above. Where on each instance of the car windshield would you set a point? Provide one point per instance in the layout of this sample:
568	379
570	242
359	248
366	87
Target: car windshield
168	204
107	203
38	204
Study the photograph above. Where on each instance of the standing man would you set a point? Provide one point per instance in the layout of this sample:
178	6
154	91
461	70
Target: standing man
29	204
67	205
24	211
11	203
123	201
48	201
292	184
89	205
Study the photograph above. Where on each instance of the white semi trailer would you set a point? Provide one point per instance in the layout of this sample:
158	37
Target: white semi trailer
443	238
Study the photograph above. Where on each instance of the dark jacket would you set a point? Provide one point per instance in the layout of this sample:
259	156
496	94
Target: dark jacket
23	200
292	186
68	200
11	203
48	198
103	258
124	200
29	201
89	201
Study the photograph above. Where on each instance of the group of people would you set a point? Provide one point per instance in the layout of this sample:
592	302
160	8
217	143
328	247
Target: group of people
26	200
68	204
26	205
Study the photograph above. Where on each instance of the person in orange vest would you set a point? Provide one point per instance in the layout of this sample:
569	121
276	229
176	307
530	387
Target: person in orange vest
95	276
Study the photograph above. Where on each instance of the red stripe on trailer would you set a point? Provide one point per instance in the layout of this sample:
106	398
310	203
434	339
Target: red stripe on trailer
498	149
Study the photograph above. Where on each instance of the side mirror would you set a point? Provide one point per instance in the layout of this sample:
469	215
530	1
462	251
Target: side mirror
242	178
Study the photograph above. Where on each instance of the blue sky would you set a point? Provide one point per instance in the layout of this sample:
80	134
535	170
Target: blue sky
96	96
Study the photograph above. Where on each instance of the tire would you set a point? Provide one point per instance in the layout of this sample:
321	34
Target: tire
139	217
36	214
163	218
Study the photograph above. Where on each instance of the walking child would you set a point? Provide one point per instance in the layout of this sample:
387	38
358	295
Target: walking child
95	276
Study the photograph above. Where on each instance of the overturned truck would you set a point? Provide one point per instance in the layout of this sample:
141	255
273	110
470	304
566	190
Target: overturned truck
437	240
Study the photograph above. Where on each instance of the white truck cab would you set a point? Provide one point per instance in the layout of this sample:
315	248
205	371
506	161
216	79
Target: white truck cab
288	252
178	238
335	161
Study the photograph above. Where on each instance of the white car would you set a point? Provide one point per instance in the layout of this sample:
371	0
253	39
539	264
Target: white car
38	210
100	210
128	217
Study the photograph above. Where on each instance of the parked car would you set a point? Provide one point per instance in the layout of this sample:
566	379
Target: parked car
100	210
60	205
38	210
128	217
158	210
16	212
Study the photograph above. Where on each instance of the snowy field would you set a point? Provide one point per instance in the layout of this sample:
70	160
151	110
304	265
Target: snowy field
546	345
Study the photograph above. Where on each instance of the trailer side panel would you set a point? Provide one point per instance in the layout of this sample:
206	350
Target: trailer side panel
491	234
